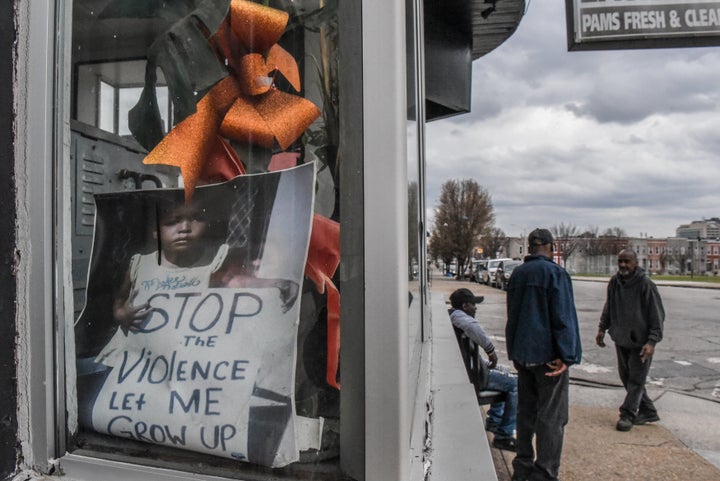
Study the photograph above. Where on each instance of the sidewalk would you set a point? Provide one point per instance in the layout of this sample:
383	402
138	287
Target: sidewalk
697	284
594	450
684	445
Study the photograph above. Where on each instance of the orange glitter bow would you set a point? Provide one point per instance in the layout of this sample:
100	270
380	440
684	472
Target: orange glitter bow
245	107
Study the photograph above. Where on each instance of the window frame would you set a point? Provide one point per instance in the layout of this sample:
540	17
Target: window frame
37	276
45	305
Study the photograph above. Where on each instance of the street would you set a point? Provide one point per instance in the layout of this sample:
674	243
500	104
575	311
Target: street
687	360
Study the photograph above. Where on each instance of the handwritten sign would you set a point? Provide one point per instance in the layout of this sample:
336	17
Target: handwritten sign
204	364
189	334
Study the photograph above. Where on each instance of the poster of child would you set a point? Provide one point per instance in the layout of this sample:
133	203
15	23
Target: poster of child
188	337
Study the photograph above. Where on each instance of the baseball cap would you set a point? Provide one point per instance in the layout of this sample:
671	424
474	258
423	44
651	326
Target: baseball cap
540	237
461	296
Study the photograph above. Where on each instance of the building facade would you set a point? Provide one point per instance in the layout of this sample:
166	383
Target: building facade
121	108
700	229
673	255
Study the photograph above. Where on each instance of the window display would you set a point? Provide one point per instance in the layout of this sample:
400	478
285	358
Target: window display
205	140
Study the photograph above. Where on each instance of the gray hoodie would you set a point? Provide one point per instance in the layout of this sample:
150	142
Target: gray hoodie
472	329
633	312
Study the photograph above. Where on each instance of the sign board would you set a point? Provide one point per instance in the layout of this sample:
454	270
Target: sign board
628	24
189	334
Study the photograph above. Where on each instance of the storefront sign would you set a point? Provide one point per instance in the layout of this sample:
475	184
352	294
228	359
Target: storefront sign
616	24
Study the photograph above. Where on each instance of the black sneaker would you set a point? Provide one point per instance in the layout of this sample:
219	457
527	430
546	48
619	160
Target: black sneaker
507	444
644	418
624	424
520	475
491	427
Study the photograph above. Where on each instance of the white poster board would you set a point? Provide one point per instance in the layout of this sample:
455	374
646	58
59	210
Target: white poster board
204	359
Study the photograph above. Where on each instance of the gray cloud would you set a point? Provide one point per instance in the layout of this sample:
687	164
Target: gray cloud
625	86
605	138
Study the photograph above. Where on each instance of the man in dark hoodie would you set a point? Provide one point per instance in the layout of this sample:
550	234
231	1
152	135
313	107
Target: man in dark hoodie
634	316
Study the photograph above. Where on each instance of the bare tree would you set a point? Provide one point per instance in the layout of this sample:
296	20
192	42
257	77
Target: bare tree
567	240
590	245
439	248
492	241
664	261
681	258
613	240
464	210
615	232
599	249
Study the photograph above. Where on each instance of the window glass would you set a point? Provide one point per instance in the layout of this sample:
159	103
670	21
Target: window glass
106	107
205	236
127	98
416	263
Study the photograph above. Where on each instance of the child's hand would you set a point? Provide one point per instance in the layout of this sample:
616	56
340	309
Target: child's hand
288	293
129	316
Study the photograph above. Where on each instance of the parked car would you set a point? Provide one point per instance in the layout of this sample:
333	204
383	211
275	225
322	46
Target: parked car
503	272
474	270
489	274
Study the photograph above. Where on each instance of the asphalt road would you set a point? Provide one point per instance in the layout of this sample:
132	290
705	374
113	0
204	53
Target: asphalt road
686	361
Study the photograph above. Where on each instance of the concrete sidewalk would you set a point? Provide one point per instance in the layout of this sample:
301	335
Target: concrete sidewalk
661	451
697	284
684	445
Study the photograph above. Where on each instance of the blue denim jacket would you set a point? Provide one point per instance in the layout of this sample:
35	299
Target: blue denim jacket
542	323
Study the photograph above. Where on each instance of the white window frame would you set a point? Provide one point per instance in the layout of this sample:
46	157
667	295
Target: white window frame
387	436
35	143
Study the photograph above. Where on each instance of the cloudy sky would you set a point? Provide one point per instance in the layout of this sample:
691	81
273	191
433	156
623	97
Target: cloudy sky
626	138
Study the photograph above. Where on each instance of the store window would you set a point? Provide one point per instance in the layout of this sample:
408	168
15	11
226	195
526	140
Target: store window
204	172
416	249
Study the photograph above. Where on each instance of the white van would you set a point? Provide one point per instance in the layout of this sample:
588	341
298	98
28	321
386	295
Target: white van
489	273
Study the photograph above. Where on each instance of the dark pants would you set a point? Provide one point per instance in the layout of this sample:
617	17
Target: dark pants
633	374
543	413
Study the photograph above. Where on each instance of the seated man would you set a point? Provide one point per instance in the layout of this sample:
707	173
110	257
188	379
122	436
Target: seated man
502	415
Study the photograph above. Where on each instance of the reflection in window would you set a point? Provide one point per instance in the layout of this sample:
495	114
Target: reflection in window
118	86
107	108
207	91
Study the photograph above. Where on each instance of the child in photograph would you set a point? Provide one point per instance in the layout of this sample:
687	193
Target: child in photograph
184	259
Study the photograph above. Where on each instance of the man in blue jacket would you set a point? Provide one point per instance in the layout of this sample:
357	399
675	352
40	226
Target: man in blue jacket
634	316
543	340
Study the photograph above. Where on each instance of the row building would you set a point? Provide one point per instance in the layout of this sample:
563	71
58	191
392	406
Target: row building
694	250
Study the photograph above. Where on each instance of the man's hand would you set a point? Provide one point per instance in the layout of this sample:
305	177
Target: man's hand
493	359
646	352
557	367
600	338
